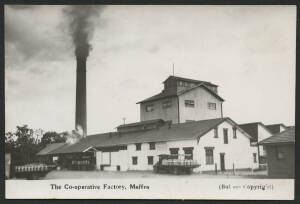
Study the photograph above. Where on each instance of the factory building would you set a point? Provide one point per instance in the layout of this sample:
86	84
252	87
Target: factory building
183	100
215	143
184	120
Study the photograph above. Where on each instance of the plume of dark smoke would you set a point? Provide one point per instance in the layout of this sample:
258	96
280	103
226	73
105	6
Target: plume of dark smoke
81	21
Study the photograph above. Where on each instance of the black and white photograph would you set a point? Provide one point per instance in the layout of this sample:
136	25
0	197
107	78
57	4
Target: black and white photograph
150	101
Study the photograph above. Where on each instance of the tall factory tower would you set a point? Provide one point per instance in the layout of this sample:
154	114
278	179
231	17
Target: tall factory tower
80	115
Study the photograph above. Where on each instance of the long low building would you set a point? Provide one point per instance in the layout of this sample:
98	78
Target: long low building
212	143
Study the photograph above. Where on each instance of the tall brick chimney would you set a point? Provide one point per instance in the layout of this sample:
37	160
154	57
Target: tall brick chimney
80	115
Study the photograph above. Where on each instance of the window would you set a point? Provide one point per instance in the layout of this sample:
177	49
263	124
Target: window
189	103
152	145
149	108
134	160
254	158
214	89
234	132
188	152
184	84
212	106
166	104
225	134
264	150
174	153
138	146
209	154
216	132
279	153
150	160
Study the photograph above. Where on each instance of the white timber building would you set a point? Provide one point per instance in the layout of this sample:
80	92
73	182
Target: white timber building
186	118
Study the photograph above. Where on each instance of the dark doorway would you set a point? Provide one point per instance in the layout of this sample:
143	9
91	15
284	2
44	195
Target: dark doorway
118	167
222	161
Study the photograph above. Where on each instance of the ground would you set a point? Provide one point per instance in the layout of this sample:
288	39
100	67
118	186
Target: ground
64	174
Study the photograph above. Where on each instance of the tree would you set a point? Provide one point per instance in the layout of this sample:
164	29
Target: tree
22	145
25	143
52	137
10	142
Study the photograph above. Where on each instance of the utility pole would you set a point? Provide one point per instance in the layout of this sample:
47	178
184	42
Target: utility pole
173	68
124	119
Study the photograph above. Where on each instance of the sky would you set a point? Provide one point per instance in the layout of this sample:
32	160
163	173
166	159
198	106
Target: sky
249	51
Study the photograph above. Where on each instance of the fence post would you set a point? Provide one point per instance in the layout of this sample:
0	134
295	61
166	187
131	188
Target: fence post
233	170
216	169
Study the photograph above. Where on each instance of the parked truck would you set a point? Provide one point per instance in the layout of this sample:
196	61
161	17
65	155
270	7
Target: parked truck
168	164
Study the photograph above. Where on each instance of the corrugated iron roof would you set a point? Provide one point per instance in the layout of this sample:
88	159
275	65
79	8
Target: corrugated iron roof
162	95
286	136
146	122
275	128
189	80
181	131
49	148
252	129
167	94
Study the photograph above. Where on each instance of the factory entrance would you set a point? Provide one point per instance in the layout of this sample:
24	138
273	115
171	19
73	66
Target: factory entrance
112	158
222	161
81	161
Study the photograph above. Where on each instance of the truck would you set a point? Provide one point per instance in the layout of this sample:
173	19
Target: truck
33	171
174	164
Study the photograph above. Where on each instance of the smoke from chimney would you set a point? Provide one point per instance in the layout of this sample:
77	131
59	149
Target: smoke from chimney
81	21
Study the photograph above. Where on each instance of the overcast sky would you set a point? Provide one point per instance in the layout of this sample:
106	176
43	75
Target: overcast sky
249	51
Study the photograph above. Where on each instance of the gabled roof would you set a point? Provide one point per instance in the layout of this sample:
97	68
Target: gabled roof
175	132
252	129
50	147
189	80
162	95
275	128
166	94
285	137
205	87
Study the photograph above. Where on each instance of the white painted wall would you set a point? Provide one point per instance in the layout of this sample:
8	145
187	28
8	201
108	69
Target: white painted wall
98	159
112	159
262	134
237	151
160	148
200	111
159	112
254	149
282	128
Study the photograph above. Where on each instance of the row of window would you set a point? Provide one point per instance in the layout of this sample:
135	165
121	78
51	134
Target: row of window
209	156
184	84
188	154
225	134
187	103
165	104
191	104
138	146
135	160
